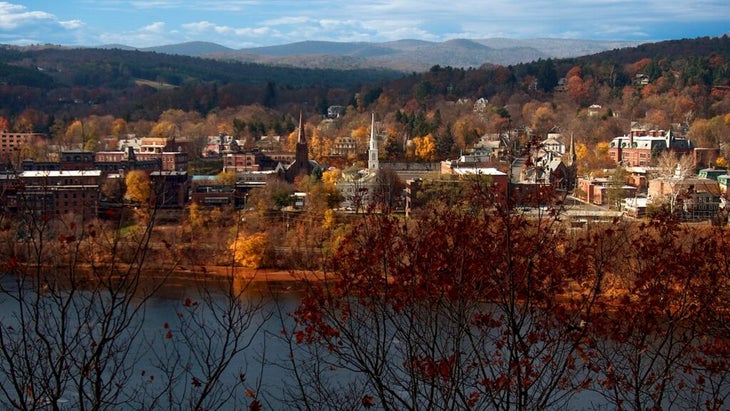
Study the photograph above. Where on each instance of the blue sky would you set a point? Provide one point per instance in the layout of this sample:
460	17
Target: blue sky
251	23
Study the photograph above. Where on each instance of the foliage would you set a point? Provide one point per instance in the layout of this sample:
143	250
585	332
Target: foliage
471	308
139	188
453	310
226	178
251	251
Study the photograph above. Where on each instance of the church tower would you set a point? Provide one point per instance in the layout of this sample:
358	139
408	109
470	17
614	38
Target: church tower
373	165
302	153
301	164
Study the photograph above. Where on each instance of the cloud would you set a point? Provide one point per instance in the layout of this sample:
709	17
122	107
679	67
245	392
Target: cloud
142	23
72	24
13	16
156	27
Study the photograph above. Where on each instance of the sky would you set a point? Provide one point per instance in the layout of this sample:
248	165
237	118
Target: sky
253	23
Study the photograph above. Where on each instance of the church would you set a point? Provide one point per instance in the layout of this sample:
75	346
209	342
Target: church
302	165
358	189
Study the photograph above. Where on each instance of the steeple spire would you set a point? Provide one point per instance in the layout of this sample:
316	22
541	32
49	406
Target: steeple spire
373	164
573	155
301	138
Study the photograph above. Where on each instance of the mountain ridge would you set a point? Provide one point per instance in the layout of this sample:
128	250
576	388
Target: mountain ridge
404	55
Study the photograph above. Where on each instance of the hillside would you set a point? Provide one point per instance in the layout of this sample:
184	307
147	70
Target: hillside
51	82
418	55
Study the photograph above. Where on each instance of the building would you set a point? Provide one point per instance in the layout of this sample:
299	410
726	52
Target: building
154	154
301	165
53	194
171	188
593	190
344	146
242	162
13	144
693	198
641	146
358	190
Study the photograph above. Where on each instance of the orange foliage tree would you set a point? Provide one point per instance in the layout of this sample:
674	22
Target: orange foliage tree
472	306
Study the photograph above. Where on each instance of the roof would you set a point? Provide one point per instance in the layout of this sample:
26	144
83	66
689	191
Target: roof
60	173
486	171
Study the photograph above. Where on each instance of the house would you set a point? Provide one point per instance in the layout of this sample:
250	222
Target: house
692	197
635	206
598	190
335	111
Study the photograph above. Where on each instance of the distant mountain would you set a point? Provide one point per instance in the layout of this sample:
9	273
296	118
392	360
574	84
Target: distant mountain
193	49
403	55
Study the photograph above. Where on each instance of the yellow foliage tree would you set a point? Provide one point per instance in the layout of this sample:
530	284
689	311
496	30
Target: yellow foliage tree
163	129
250	251
425	147
119	127
361	135
721	162
226	178
196	216
75	132
138	185
331	177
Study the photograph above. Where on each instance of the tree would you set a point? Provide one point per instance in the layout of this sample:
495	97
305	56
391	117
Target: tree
425	148
226	178
139	187
409	316
617	186
73	314
163	129
388	189
547	77
654	351
251	251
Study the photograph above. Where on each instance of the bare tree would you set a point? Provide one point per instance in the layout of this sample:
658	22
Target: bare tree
74	298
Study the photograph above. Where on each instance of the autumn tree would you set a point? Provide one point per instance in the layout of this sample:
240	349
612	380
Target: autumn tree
73	313
226	178
139	187
251	251
652	350
425	148
457	309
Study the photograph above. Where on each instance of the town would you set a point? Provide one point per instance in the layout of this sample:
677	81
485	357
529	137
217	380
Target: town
655	168
538	236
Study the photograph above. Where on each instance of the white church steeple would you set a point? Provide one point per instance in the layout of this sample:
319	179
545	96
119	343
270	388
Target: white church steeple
373	165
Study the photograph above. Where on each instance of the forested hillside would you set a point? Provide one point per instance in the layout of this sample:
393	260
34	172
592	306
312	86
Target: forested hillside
674	82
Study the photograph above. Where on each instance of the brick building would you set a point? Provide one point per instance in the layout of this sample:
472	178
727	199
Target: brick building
59	193
640	146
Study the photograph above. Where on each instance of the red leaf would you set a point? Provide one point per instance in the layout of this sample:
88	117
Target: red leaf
368	401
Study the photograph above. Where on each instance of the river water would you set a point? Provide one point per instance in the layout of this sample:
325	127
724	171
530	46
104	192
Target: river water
184	325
